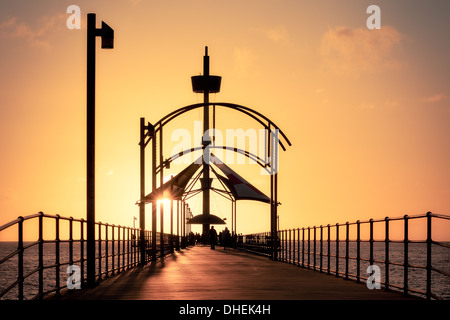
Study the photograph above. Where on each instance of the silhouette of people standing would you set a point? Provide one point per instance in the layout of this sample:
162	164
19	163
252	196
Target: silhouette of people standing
226	238
212	237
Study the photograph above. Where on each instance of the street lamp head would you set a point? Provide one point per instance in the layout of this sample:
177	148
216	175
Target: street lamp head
107	36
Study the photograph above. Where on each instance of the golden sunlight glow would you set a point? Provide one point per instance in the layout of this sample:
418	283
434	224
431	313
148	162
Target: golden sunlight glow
367	111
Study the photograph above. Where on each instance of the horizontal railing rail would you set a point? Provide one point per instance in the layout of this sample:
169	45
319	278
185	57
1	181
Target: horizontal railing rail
330	249
34	269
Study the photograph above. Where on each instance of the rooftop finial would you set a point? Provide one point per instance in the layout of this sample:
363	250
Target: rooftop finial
206	50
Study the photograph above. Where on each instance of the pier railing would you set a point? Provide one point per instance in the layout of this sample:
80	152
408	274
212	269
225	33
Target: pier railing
34	269
414	267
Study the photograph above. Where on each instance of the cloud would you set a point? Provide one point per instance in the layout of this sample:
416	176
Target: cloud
351	52
436	98
33	36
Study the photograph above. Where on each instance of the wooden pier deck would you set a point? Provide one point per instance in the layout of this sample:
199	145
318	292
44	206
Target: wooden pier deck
199	273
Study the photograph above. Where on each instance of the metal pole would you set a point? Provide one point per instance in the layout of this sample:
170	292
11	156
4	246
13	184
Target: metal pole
405	256
337	249
161	182
386	253
154	201
20	250
206	138
358	250
429	267
90	179
171	225
142	192
178	225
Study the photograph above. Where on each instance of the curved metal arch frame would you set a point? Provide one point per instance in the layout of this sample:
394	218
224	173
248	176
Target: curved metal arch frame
246	153
151	134
246	110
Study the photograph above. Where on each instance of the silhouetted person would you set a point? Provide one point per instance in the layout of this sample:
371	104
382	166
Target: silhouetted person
226	238
212	237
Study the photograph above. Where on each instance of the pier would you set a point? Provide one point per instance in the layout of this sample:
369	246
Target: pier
199	273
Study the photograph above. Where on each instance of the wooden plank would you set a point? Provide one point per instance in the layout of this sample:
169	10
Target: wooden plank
199	273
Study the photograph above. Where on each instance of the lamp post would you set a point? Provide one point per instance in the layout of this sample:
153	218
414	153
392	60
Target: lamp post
107	35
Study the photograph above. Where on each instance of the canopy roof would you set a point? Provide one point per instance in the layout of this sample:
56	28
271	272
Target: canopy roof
240	188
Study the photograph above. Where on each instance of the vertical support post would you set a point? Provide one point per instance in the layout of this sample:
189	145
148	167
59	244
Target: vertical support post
347	234
298	246
321	248
386	253
371	242
71	241
235	218
41	255
154	211
57	262
82	251
290	249
171	225
358	251
90	180
429	267
405	256
123	248
309	246
178	225
142	192
106	250
337	249
20	258
161	182
113	271
161	231
275	210
303	247
99	251
205	143
314	257
328	249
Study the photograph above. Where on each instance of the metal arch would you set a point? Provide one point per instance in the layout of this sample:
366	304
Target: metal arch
246	153
246	110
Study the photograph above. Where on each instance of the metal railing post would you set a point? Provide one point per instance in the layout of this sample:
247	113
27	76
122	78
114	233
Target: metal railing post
289	246
371	242
41	255
314	256
113	250
123	248
405	256
328	251
429	267
386	253
347	234
303	247
20	257
309	247
118	249
358	251
321	249
71	241
337	249
82	260
106	250
57	242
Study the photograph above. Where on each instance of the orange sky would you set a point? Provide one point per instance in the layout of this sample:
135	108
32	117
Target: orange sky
367	111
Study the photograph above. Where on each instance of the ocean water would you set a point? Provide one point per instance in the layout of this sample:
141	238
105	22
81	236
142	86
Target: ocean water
9	270
416	277
417	256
